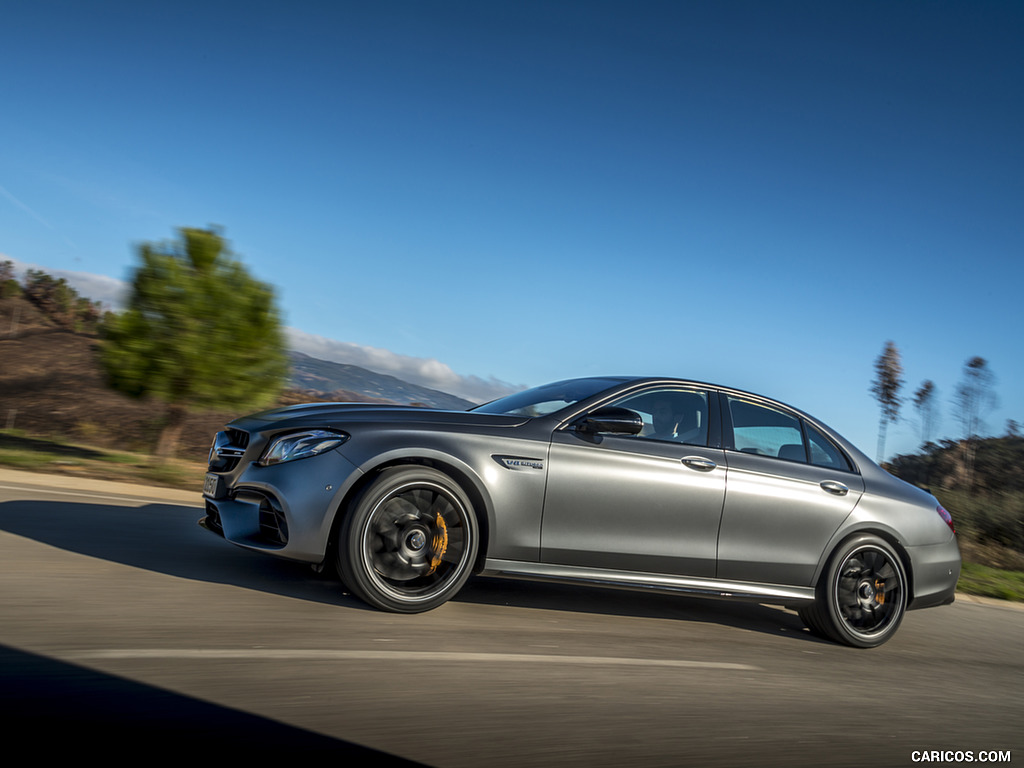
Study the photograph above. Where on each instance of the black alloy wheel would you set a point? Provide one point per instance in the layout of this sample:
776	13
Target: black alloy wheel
409	541
862	596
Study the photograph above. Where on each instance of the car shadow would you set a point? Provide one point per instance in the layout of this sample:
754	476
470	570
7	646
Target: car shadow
166	538
97	713
755	617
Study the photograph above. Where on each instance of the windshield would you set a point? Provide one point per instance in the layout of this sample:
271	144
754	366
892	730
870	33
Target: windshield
541	401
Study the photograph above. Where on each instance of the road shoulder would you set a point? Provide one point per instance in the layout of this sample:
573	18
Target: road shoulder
69	483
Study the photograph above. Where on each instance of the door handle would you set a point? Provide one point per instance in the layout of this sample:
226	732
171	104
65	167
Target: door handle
699	463
836	488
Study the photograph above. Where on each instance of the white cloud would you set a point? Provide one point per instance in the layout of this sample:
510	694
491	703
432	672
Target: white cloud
426	372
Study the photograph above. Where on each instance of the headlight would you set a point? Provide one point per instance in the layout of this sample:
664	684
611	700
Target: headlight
301	445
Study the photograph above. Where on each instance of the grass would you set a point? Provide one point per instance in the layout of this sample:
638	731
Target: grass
28	460
124	458
53	456
991	582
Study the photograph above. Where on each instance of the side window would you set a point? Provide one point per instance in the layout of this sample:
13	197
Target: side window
766	431
823	451
675	415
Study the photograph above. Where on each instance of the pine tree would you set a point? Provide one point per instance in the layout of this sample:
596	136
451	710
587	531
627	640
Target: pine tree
198	331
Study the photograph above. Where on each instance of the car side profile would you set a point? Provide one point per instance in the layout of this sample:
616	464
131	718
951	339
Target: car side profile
639	483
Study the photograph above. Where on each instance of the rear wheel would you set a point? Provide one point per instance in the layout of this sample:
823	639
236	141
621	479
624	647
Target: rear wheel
862	595
409	541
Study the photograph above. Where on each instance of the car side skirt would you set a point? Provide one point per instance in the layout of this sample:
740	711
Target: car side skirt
649	582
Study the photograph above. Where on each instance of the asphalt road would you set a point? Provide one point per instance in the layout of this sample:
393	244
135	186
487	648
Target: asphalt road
128	632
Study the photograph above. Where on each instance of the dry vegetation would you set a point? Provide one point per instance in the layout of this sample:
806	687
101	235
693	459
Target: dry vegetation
51	386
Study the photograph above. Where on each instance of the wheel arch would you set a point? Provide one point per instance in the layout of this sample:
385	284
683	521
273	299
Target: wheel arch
856	620
885	534
460	475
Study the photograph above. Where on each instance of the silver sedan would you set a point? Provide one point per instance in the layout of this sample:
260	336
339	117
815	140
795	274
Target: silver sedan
648	484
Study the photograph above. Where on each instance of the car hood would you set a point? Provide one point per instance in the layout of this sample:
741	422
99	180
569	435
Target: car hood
340	414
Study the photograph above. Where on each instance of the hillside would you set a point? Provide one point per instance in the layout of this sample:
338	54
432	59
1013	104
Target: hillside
309	373
51	384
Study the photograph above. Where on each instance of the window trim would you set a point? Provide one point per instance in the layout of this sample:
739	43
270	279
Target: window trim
849	468
729	433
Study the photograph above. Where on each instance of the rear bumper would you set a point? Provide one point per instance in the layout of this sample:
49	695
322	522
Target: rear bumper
936	570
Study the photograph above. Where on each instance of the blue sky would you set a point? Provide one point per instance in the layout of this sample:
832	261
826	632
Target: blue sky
490	194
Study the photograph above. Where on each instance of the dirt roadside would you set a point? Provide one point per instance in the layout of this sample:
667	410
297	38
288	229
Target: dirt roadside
70	485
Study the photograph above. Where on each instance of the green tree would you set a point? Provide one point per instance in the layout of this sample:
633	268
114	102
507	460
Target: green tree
886	388
56	299
198	331
53	296
8	284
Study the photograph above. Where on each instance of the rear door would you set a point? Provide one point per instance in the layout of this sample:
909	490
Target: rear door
789	489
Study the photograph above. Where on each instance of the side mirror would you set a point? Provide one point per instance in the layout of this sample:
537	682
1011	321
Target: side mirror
612	419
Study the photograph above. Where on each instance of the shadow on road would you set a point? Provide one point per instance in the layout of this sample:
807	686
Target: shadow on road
767	619
165	538
81	712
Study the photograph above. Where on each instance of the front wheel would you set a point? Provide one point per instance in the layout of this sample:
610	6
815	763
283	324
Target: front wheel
409	541
862	595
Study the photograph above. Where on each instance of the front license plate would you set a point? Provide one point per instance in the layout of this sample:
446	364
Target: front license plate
211	485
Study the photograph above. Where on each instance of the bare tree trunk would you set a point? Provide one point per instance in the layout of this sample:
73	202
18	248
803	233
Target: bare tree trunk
968	449
170	435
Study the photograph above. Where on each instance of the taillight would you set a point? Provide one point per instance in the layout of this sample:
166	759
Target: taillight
947	517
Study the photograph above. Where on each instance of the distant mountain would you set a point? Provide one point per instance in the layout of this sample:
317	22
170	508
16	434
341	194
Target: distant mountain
322	376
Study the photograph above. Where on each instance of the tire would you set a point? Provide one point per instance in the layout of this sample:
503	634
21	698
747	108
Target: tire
862	595
409	541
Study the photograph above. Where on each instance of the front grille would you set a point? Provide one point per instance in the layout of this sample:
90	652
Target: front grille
238	437
228	449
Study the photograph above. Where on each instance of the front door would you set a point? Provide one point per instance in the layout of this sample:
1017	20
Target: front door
650	502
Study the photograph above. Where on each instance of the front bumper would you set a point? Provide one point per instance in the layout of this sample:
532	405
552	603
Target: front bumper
285	510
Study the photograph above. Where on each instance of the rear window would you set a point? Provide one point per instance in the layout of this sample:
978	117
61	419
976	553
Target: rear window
765	431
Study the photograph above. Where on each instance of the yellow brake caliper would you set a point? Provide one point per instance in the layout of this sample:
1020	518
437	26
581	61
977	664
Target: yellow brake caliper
879	592
439	545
